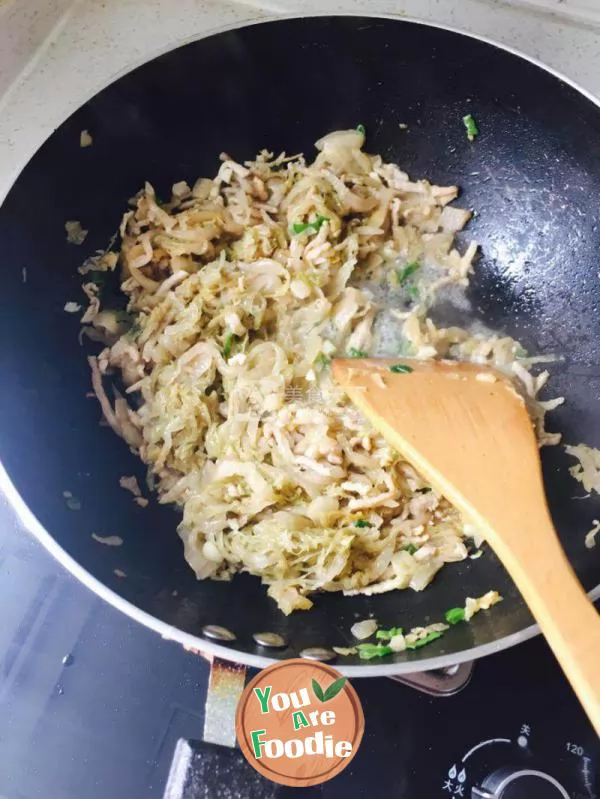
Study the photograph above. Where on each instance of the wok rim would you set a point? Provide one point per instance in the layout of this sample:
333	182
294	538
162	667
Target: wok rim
204	646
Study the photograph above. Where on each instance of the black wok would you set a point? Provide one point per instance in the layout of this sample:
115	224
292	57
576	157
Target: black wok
533	175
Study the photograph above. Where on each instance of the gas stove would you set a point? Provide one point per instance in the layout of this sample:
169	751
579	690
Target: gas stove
93	705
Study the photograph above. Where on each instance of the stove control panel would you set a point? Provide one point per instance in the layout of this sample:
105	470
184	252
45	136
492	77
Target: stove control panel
519	783
528	766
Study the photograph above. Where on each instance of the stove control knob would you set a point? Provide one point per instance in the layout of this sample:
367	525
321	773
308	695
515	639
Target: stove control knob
515	783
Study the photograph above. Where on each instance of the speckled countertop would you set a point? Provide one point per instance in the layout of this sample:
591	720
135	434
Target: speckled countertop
55	54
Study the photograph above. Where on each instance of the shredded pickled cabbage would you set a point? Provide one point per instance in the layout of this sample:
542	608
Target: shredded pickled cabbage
587	471
240	290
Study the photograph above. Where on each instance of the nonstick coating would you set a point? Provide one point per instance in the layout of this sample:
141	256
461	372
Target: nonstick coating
533	175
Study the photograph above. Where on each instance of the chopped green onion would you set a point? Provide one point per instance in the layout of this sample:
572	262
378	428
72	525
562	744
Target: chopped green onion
370	651
322	360
410	548
471	126
401	369
387	635
354	353
311	227
361	129
300	227
455	615
413	292
227	344
403	274
362	523
432	636
520	352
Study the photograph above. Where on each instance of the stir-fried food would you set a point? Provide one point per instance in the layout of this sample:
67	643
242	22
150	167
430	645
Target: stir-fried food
240	290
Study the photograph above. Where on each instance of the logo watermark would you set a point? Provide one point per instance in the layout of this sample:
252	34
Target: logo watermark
299	723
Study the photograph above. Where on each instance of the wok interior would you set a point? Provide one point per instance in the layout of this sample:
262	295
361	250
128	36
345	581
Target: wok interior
532	175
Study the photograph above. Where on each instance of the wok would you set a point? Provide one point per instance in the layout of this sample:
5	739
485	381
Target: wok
533	175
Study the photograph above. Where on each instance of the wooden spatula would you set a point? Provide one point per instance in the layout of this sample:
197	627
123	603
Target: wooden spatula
467	431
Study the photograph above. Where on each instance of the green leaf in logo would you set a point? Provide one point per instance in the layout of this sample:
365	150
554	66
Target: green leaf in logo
318	691
334	689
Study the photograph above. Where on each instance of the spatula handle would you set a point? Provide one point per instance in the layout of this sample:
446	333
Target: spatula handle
566	616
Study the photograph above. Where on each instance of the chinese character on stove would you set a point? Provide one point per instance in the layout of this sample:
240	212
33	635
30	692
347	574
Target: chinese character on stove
448	786
459	790
525	729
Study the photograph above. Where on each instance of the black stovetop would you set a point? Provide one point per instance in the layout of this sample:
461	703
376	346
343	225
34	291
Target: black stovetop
92	706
